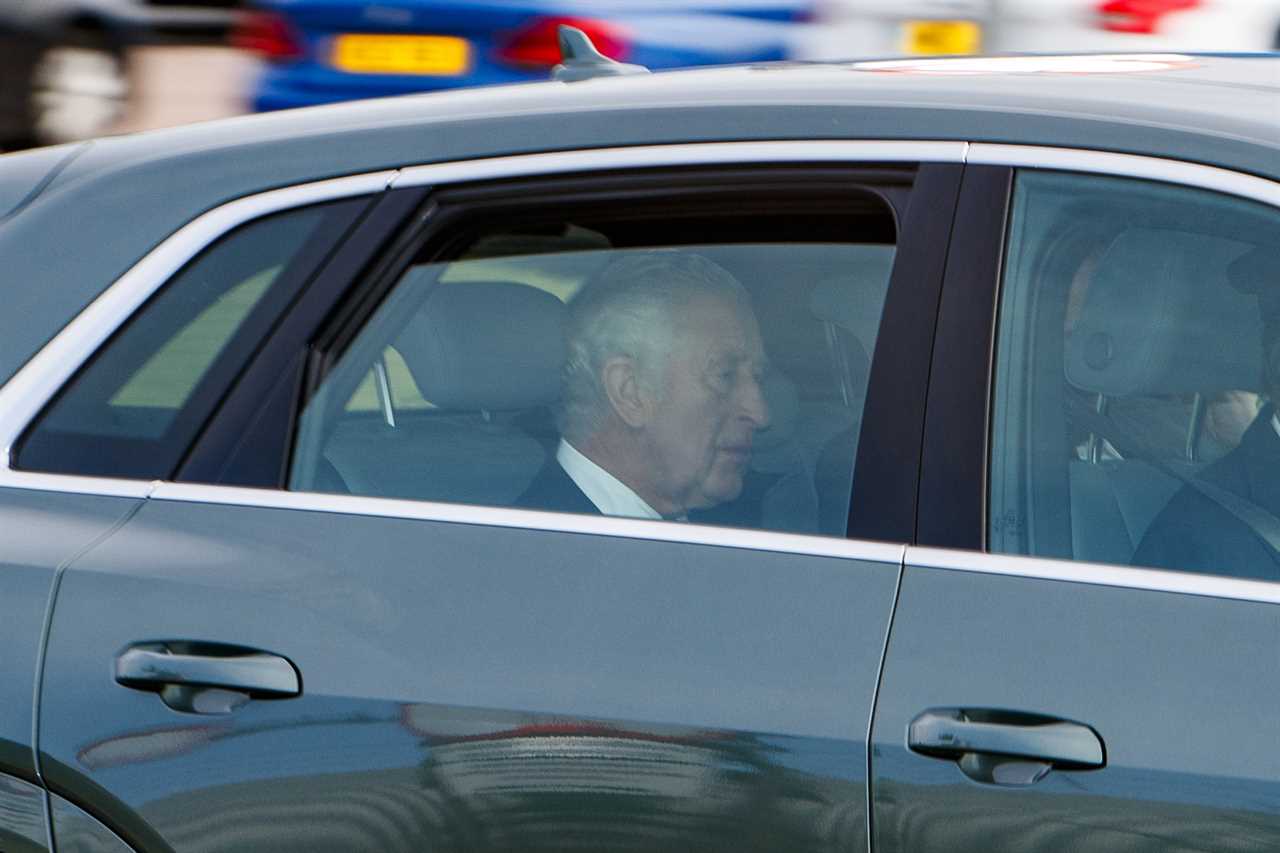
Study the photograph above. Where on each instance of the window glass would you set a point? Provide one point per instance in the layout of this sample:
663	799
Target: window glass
1138	355
122	415
566	367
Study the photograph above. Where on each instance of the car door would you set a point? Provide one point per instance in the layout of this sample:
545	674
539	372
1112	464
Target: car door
1077	661
338	625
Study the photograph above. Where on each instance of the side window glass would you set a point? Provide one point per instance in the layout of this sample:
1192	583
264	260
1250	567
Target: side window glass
133	410
562	367
1138	356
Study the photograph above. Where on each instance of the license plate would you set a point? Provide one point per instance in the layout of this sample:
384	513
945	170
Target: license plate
387	54
934	38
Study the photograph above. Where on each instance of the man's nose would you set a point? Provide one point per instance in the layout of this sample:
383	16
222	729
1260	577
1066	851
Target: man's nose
755	407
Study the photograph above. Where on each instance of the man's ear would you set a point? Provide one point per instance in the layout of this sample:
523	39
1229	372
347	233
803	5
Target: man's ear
625	394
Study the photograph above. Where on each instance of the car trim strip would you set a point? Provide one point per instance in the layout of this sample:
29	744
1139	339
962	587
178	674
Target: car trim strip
22	398
690	154
1097	574
556	522
1126	166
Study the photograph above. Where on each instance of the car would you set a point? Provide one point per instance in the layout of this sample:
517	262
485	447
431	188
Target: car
864	456
845	29
66	63
321	51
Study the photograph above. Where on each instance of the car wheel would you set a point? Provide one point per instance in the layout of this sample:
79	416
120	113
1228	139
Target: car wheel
79	87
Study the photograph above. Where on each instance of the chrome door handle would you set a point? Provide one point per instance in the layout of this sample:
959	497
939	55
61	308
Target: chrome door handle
206	677
1006	747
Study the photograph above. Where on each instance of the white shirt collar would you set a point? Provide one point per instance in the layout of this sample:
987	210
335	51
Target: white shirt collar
1275	422
610	495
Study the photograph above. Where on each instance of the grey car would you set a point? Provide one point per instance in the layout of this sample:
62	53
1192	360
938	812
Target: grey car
991	565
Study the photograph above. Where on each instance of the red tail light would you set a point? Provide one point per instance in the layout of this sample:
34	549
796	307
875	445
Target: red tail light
538	44
1139	16
267	34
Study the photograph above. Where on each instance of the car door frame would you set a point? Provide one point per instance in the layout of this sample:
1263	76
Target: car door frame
895	406
883	505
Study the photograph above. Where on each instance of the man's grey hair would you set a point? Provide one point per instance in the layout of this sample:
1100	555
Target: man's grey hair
629	309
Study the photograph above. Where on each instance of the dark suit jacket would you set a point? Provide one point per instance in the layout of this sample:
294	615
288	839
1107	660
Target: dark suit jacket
555	490
1194	532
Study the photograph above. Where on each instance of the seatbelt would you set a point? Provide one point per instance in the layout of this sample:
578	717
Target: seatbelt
1263	524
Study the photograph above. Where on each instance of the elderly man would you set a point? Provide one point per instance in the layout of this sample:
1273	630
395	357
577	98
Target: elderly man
662	392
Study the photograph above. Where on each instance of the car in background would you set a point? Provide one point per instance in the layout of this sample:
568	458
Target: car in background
64	71
846	29
319	51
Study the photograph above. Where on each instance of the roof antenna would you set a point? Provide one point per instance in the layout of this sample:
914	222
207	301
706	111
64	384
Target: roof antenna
581	61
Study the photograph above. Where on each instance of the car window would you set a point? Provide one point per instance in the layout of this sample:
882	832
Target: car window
1137	364
570	366
133	409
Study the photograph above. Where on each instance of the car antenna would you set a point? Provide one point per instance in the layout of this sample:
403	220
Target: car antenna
580	60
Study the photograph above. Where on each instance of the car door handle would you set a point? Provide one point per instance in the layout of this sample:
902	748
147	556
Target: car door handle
1005	747
206	677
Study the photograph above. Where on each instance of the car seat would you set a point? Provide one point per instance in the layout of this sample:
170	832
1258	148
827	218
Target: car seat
1160	319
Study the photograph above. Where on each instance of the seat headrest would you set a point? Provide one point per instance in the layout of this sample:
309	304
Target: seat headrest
854	299
1161	317
491	345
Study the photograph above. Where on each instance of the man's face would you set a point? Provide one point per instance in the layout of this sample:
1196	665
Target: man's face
704	416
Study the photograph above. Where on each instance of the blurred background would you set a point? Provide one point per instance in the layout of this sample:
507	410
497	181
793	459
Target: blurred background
73	69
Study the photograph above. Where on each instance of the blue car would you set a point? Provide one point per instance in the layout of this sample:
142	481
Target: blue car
320	51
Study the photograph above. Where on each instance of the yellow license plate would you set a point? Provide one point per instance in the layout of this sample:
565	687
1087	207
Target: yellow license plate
374	54
935	38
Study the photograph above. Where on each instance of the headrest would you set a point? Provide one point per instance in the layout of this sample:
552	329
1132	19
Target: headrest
1162	317
491	345
854	299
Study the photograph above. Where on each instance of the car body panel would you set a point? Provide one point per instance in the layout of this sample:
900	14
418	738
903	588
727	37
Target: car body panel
1180	688
23	828
25	175
42	531
77	830
768	663
168	177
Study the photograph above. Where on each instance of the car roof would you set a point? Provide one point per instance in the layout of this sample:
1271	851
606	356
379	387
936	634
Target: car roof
121	196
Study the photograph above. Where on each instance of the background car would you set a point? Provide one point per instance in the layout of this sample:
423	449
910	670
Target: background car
321	50
846	29
271	390
64	63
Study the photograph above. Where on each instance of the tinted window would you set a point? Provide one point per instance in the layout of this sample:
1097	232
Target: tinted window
564	367
133	410
1137	360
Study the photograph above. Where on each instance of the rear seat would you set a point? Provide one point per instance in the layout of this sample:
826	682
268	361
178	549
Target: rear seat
487	354
1159	319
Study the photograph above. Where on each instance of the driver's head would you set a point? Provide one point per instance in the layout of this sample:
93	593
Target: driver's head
663	381
1258	272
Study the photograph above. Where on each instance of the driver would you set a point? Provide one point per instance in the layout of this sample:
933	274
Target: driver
1195	531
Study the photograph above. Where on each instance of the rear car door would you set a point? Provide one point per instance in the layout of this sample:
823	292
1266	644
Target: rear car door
1085	654
337	623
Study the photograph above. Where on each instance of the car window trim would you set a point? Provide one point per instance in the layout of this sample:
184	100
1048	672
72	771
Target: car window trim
27	393
1094	574
470	202
953	466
